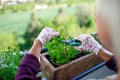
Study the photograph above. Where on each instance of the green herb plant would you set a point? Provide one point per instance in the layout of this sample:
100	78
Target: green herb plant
60	53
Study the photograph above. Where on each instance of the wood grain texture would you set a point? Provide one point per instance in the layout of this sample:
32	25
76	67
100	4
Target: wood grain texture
70	70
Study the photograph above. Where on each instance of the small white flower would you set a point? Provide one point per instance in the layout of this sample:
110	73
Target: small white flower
21	52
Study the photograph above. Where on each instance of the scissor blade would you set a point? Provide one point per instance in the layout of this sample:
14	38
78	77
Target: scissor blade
66	41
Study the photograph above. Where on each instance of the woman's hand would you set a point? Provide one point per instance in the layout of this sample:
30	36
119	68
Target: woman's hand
46	34
88	44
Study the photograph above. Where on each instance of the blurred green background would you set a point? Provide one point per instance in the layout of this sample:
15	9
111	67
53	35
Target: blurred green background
22	20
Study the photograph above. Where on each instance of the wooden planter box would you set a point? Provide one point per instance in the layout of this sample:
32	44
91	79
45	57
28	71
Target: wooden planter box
70	70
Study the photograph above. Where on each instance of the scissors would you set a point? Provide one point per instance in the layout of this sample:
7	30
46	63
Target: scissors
72	42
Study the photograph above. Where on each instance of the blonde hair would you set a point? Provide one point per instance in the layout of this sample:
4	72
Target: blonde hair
110	10
111	14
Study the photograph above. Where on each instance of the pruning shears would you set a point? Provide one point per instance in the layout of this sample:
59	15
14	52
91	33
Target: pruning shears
72	42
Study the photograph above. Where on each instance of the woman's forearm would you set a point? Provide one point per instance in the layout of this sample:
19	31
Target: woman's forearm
105	55
30	64
36	49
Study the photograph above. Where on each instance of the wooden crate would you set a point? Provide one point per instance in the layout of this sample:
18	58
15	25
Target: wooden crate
70	70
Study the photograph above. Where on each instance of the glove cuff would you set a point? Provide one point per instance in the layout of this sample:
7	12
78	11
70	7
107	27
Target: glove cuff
96	51
41	40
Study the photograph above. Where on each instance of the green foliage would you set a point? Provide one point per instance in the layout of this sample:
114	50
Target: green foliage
17	8
69	2
84	15
9	61
63	23
31	33
7	40
60	53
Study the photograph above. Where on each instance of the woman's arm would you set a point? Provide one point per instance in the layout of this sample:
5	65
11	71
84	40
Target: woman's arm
36	49
109	58
30	65
105	55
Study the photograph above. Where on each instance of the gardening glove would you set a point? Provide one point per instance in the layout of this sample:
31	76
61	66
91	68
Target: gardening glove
46	34
88	44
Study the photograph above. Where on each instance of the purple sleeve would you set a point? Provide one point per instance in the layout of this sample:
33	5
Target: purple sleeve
28	68
112	64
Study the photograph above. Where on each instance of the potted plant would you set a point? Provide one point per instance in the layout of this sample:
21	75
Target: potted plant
63	62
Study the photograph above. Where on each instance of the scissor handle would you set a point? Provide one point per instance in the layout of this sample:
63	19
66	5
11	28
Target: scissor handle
76	42
72	42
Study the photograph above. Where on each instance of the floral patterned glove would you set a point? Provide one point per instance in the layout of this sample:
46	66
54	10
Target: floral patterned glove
88	44
47	34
